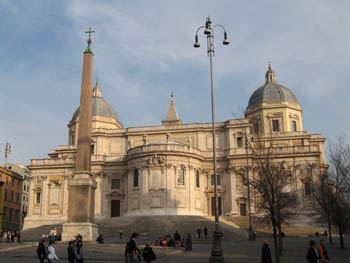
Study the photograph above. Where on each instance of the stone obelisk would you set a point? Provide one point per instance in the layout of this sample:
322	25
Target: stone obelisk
81	187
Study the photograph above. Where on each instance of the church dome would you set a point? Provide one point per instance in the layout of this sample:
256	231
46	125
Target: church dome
99	106
272	92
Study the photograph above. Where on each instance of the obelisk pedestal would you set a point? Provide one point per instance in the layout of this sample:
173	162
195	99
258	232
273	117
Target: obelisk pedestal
81	187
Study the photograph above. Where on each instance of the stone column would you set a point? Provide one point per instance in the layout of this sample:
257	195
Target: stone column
81	200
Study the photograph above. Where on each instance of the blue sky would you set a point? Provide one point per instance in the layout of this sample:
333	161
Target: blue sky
144	51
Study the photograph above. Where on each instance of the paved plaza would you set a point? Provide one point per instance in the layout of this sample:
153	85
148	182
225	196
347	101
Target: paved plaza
235	251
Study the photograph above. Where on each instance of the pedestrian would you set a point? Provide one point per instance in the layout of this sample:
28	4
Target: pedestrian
121	233
199	231
12	236
323	252
177	238
205	232
78	250
18	236
266	253
8	236
70	252
41	251
312	255
51	253
100	239
131	250
189	242
148	254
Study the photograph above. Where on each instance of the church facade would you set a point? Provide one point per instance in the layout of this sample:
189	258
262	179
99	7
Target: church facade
167	169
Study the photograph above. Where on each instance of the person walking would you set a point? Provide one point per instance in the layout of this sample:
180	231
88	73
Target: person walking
199	231
205	232
70	252
18	236
312	255
131	250
177	238
189	242
148	254
51	253
41	251
323	252
121	233
78	251
266	253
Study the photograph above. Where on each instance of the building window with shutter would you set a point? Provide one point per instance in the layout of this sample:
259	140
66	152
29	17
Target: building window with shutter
136	178
294	124
180	176
239	141
197	179
275	125
115	183
37	199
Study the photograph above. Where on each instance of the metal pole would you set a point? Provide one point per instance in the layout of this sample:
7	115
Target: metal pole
251	235
216	252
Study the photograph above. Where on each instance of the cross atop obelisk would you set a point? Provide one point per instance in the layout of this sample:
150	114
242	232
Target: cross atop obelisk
88	49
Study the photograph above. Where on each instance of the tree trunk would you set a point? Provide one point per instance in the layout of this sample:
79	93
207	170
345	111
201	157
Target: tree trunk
280	245
330	231
341	237
273	221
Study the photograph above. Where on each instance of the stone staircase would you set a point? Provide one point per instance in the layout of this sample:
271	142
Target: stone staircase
301	226
150	228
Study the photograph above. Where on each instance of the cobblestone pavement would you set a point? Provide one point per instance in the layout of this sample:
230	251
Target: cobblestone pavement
237	251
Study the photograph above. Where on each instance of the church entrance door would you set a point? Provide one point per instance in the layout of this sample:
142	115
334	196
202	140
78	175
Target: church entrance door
115	208
212	206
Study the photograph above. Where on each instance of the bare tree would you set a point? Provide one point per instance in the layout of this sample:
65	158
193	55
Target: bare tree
322	194
338	155
275	200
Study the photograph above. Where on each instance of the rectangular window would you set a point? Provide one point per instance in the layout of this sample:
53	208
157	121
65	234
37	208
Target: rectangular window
38	180
5	195
11	196
136	178
256	127
16	215
10	214
275	125
18	184
37	200
13	181
115	183
197	179
218	179
24	198
17	198
239	142
307	187
294	124
5	212
180	176
7	180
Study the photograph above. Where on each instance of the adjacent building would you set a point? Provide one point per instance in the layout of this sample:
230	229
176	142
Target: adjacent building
25	174
167	169
11	205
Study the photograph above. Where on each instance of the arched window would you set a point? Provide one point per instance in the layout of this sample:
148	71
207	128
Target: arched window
136	178
197	179
180	176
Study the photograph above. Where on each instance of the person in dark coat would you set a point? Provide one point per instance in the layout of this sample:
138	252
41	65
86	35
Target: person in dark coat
70	252
205	232
100	239
131	250
148	254
189	242
266	253
177	238
312	255
41	251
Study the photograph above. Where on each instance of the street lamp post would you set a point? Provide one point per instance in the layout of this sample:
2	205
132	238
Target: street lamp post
216	252
251	235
